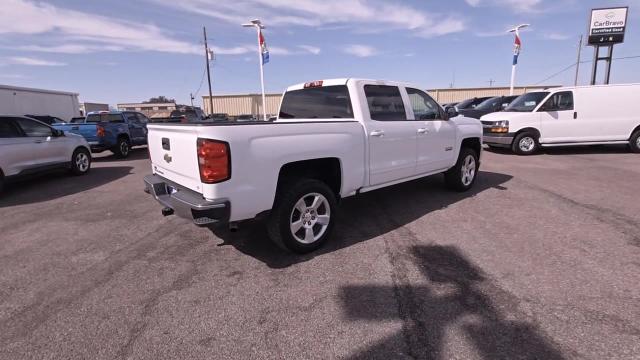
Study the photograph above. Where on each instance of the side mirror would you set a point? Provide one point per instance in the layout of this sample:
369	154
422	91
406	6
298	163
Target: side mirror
58	133
451	111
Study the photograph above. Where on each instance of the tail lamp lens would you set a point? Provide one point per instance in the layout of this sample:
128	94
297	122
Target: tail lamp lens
99	131
214	161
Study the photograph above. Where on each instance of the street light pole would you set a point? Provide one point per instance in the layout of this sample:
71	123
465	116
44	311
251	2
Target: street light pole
575	83
258	25
516	53
206	58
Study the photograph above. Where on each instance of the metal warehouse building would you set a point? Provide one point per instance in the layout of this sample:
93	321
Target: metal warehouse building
243	104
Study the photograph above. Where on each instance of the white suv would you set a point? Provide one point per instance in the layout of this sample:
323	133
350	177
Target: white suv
29	146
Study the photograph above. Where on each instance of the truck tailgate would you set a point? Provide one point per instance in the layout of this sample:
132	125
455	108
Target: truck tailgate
173	151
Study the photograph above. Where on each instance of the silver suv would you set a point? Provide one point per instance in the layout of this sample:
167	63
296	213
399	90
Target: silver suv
29	146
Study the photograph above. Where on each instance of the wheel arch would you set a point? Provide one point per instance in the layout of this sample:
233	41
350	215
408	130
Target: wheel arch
473	143
533	130
634	131
327	170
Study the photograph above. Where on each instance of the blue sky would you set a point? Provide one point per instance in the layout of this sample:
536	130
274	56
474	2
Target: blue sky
128	51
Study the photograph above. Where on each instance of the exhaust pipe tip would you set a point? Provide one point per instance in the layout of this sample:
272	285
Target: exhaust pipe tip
167	211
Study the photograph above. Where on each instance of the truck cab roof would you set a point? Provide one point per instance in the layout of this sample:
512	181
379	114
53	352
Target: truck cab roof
343	81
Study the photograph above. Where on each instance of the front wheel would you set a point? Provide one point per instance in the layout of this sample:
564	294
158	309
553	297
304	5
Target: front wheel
462	175
525	144
80	161
123	148
303	216
634	142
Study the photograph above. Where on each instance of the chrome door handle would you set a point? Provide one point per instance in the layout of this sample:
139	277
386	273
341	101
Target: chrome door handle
38	141
422	131
377	133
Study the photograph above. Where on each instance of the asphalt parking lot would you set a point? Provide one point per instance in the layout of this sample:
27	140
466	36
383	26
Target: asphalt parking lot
540	261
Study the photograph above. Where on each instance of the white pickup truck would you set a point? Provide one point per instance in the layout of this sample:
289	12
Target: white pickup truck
332	139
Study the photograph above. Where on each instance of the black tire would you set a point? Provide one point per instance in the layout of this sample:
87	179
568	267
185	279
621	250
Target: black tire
284	214
525	143
1	181
457	178
80	161
122	148
634	142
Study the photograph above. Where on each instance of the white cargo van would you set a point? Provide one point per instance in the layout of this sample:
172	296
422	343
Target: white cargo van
584	115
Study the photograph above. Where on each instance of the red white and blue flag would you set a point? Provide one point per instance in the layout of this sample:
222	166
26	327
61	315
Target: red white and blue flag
516	49
263	49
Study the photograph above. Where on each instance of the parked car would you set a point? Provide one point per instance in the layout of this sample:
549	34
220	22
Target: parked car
182	115
585	115
29	146
117	131
218	117
246	117
77	120
488	106
332	139
470	103
47	119
446	105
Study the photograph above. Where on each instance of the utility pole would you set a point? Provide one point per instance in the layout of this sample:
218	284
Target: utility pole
491	81
191	97
575	83
206	58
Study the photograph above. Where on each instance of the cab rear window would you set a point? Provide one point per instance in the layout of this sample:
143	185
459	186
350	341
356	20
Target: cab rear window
327	102
112	118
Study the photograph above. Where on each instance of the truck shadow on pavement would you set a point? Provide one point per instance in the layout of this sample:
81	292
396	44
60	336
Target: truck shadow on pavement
362	217
457	300
570	150
137	153
58	183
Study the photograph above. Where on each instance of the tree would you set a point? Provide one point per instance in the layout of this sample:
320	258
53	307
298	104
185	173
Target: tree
159	99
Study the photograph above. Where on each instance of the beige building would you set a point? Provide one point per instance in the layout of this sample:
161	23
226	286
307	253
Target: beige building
149	109
242	104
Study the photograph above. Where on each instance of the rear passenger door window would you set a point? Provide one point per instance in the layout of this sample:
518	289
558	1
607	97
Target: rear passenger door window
385	103
8	129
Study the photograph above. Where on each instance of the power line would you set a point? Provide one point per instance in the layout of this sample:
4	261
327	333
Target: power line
582	62
204	72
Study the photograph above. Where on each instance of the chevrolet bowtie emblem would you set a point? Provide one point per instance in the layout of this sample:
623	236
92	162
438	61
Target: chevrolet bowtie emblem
167	158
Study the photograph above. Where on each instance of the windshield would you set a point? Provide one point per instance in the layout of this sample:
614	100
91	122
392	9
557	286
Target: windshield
489	104
327	102
470	103
527	102
95	118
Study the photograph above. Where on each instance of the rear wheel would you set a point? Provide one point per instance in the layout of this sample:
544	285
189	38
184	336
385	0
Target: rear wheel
525	144
1	181
462	175
634	142
80	161
303	216
123	148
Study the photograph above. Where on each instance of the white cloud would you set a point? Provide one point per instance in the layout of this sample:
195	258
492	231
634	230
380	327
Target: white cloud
360	50
310	49
514	5
378	14
30	18
556	36
22	60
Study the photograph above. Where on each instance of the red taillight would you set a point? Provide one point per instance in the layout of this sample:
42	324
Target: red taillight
214	161
313	84
183	119
99	131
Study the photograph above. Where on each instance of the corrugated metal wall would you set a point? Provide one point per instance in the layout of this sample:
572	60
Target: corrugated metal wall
235	105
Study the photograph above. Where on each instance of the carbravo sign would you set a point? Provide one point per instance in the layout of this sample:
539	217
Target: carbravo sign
607	26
